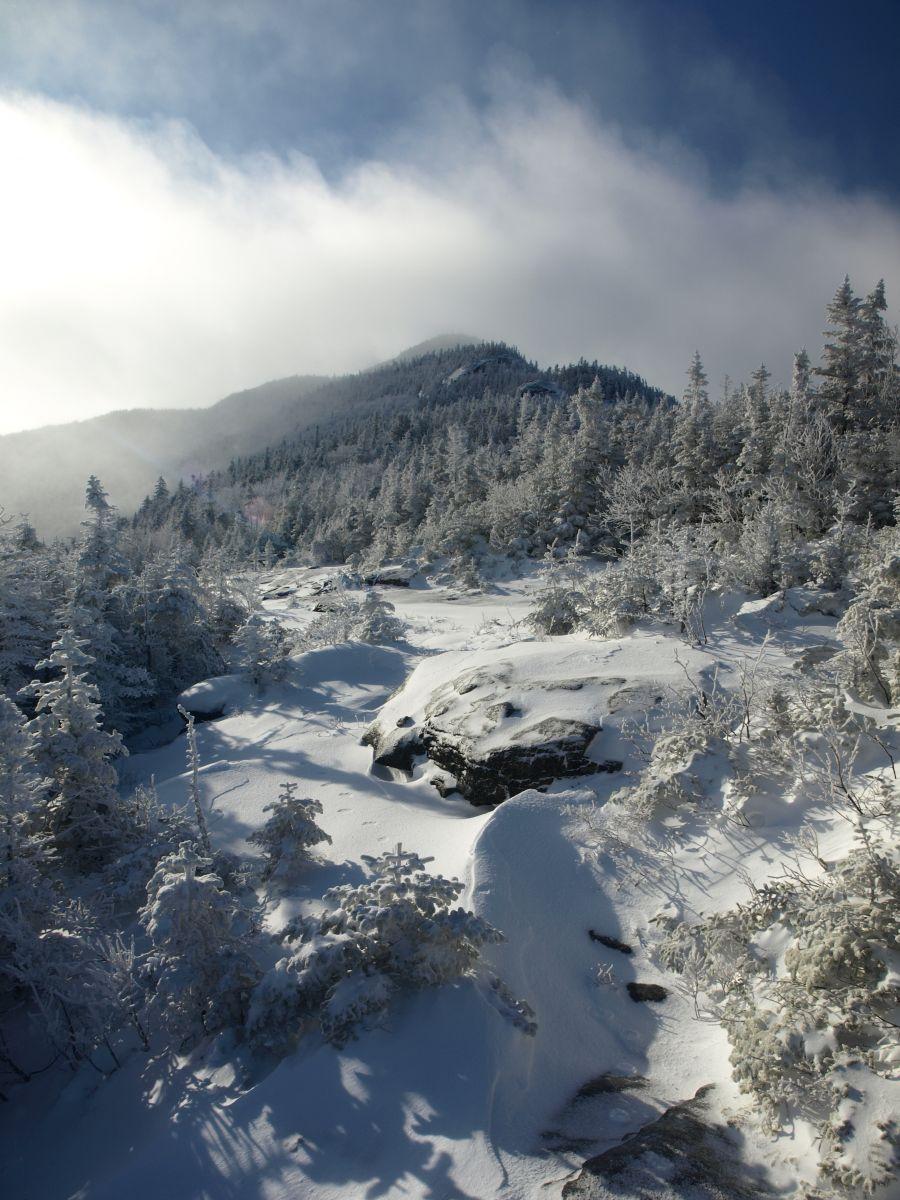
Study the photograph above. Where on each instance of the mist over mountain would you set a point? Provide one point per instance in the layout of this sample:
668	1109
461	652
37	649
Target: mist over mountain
44	470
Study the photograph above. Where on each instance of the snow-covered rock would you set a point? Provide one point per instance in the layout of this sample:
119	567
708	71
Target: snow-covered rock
756	616
215	697
681	1153
807	600
503	720
391	576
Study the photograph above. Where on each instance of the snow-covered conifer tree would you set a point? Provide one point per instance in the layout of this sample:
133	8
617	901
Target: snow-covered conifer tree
201	969
27	600
692	439
94	614
399	929
289	834
375	621
841	359
83	816
264	647
22	790
173	626
755	458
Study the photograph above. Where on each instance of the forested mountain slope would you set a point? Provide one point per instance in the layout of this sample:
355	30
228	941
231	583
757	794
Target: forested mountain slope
449	436
559	858
44	470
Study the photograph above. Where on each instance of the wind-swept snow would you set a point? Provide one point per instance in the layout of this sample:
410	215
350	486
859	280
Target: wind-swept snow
448	1101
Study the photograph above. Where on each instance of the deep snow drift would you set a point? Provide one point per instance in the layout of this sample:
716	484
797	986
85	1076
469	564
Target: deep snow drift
448	1100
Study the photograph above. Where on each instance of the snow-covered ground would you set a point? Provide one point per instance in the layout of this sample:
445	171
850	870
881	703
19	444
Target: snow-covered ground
448	1100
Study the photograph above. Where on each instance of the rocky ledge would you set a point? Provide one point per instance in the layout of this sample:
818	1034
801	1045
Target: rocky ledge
498	722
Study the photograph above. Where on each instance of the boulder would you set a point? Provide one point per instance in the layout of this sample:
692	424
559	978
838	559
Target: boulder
806	601
397	748
498	722
391	577
643	993
611	943
533	757
681	1153
214	698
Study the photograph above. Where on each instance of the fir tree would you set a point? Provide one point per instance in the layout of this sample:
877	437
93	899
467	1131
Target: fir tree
93	612
83	817
200	967
289	834
841	359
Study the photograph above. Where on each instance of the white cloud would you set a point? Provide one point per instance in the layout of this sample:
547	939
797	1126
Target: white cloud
141	269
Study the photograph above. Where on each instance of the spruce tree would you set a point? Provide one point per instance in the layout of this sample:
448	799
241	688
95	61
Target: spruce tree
290	833
94	613
83	817
841	359
200	965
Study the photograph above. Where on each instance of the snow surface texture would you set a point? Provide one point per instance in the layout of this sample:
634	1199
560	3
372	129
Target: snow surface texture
448	1101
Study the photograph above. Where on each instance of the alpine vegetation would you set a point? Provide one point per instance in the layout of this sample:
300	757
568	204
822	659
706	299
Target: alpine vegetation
624	668
397	930
288	836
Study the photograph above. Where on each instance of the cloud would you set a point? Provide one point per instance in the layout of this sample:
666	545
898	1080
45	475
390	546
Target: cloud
144	269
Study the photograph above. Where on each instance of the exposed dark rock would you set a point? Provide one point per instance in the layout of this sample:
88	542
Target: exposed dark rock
611	943
398	748
603	1085
391	577
333	583
444	787
501	726
644	992
538	387
550	750
680	1154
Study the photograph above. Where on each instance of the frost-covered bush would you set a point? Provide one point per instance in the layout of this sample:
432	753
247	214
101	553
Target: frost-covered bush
374	621
55	958
369	620
665	575
768	554
157	830
682	764
556	609
265	648
22	791
560	602
401	929
200	970
870	631
813	1032
289	834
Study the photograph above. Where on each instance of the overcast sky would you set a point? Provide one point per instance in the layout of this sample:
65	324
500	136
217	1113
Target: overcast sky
199	196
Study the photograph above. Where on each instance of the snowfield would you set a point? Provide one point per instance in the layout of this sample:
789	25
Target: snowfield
448	1101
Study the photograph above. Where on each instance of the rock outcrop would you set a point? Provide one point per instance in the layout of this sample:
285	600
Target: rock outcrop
500	725
682	1153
